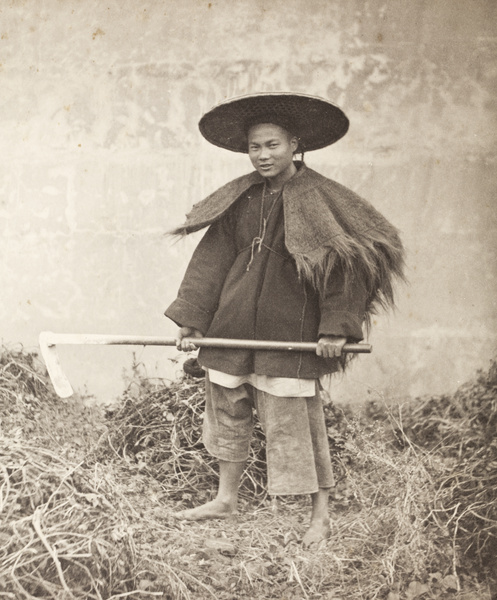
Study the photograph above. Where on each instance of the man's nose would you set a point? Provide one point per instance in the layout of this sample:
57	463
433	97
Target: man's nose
264	153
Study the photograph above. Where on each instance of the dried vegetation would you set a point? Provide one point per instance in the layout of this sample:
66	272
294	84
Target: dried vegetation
86	499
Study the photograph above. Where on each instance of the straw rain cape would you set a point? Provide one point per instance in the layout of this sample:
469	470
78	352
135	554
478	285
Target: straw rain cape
325	222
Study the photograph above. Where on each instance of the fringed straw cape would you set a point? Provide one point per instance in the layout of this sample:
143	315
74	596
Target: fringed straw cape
325	222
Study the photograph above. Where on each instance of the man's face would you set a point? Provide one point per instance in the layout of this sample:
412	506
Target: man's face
271	149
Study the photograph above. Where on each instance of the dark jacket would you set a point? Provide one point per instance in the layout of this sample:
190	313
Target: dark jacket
226	294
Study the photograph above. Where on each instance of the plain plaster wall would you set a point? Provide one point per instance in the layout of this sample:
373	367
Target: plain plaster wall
100	155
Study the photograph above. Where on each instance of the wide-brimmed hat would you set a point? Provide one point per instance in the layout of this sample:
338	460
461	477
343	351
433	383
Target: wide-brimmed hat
315	121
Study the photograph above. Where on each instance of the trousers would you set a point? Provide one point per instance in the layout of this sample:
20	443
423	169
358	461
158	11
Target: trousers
297	451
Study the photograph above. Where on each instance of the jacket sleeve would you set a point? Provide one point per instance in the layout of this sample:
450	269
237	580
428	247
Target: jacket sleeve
199	293
343	306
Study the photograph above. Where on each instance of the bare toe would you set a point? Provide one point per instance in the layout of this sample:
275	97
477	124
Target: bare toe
211	510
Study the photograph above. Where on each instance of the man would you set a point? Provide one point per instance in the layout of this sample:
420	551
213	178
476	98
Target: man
289	255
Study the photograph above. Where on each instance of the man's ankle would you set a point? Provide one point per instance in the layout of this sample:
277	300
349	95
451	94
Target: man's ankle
227	501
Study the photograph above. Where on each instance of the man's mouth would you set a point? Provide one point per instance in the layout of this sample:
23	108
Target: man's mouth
265	167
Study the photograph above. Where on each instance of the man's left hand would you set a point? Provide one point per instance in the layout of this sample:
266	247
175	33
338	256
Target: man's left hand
330	346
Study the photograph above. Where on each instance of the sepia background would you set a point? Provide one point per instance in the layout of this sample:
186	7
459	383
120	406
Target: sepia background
101	155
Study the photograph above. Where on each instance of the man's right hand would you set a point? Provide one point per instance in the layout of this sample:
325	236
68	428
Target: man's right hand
187	332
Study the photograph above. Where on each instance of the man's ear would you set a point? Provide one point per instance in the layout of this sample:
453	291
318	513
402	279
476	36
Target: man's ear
294	142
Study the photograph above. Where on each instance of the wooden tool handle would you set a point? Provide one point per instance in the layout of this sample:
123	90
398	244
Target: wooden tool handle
52	339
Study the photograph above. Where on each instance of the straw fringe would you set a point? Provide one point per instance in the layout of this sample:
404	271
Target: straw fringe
377	262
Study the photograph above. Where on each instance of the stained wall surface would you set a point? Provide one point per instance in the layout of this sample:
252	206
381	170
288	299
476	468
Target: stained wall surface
101	155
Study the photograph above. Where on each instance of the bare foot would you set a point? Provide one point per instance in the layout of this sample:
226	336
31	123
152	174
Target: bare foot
319	530
215	509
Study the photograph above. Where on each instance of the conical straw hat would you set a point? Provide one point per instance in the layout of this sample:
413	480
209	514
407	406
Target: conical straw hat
315	121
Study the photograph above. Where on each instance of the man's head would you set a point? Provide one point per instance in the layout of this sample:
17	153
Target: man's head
271	149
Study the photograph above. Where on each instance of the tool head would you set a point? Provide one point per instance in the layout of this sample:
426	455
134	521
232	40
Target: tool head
48	351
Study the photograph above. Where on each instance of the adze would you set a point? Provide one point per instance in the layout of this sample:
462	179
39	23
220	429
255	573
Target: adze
48	342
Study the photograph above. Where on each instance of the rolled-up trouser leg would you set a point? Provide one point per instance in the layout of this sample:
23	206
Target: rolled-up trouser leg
298	456
228	421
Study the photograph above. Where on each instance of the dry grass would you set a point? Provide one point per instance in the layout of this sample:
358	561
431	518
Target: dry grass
64	531
86	501
462	429
60	529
